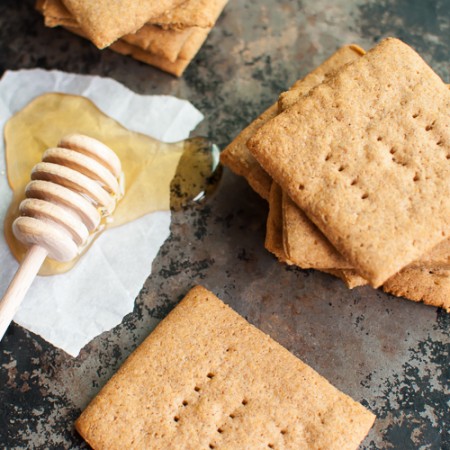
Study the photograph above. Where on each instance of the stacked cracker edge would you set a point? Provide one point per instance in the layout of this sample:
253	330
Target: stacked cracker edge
425	280
166	34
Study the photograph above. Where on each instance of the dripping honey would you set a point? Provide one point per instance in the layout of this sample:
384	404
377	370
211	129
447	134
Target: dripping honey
158	176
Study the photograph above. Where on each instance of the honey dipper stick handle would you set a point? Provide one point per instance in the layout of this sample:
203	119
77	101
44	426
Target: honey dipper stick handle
19	285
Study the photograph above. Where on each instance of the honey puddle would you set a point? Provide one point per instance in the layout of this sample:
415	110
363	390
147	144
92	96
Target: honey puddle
158	176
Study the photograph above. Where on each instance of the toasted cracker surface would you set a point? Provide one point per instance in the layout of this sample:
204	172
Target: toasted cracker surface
104	21
377	150
428	284
206	378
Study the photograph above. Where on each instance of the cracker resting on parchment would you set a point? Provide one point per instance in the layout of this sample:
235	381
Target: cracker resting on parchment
378	146
205	378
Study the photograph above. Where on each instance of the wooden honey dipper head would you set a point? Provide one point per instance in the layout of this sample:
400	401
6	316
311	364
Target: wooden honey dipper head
71	190
76	184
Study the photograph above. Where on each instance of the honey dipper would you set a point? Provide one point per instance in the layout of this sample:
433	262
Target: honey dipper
75	185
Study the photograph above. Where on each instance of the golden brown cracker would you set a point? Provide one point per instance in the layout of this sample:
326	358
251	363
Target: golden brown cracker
206	378
351	156
428	284
104	22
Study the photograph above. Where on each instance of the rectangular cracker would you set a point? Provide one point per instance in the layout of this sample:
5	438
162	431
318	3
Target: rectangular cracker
236	155
205	378
378	149
104	22
151	38
187	53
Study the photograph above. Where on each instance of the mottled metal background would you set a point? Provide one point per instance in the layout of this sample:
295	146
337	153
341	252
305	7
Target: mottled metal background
388	353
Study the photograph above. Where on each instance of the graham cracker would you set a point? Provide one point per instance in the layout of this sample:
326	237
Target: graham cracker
191	13
274	240
428	284
151	38
236	155
104	22
187	53
396	208
205	378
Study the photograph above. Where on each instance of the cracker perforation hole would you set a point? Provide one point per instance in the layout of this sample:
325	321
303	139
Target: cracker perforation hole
327	158
283	431
364	196
245	402
415	116
416	177
392	151
210	375
176	419
197	389
212	446
232	416
341	168
428	127
185	403
448	156
220	430
270	446
439	143
301	187
353	183
379	138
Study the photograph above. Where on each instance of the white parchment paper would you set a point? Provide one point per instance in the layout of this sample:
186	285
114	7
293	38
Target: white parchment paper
71	309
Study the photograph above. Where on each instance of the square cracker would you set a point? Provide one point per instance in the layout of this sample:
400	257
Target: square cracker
205	378
236	155
366	156
104	22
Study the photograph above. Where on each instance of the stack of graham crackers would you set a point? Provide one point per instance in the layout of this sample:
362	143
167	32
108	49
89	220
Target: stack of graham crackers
166	34
355	163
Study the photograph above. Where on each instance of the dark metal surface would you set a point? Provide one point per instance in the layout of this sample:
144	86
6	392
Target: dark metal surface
388	353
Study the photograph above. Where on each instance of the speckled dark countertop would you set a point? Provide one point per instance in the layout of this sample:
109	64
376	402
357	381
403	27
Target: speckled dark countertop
388	353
